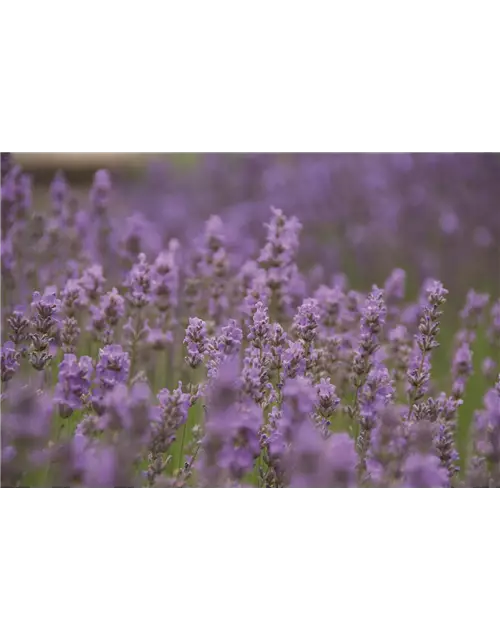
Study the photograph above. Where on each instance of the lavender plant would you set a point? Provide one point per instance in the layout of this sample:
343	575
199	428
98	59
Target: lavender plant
234	355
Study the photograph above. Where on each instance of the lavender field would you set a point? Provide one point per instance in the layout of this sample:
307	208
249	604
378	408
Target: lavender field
253	320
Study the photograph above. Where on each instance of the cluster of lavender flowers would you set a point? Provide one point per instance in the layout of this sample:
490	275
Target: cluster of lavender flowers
127	362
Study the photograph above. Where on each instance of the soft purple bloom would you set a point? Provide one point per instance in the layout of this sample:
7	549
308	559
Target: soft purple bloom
139	283
196	341
10	360
113	366
424	471
305	322
73	383
93	281
259	329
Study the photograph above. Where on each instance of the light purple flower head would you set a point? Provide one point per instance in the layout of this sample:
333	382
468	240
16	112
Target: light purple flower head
10	360
73	383
424	471
113	366
196	341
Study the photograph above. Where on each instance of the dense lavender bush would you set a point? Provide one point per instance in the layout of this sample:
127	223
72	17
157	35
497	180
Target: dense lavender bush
135	358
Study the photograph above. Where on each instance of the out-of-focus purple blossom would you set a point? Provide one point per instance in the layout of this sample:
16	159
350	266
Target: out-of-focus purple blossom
461	369
158	339
69	334
387	449
394	287
294	359
424	471
10	361
113	306
165	288
73	297
105	317
59	194
100	467
482	237
113	367
93	281
139	283
449	222
136	234
489	369
73	384
231	442
399	351
101	192
278	257
254	288
129	409
494	328
26	425
305	322
331	301
342	461
313	462
473	310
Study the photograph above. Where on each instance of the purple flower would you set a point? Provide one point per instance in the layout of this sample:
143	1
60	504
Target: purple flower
331	306
97	465
231	443
489	368
10	360
113	367
128	410
18	324
196	341
277	257
256	377
259	329
305	322
229	339
158	339
473	309
327	400
165	285
93	281
101	191
113	306
294	359
45	309
394	287
139	282
424	471
73	297
73	383
342	461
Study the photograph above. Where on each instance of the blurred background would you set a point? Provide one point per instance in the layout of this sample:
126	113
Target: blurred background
363	214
